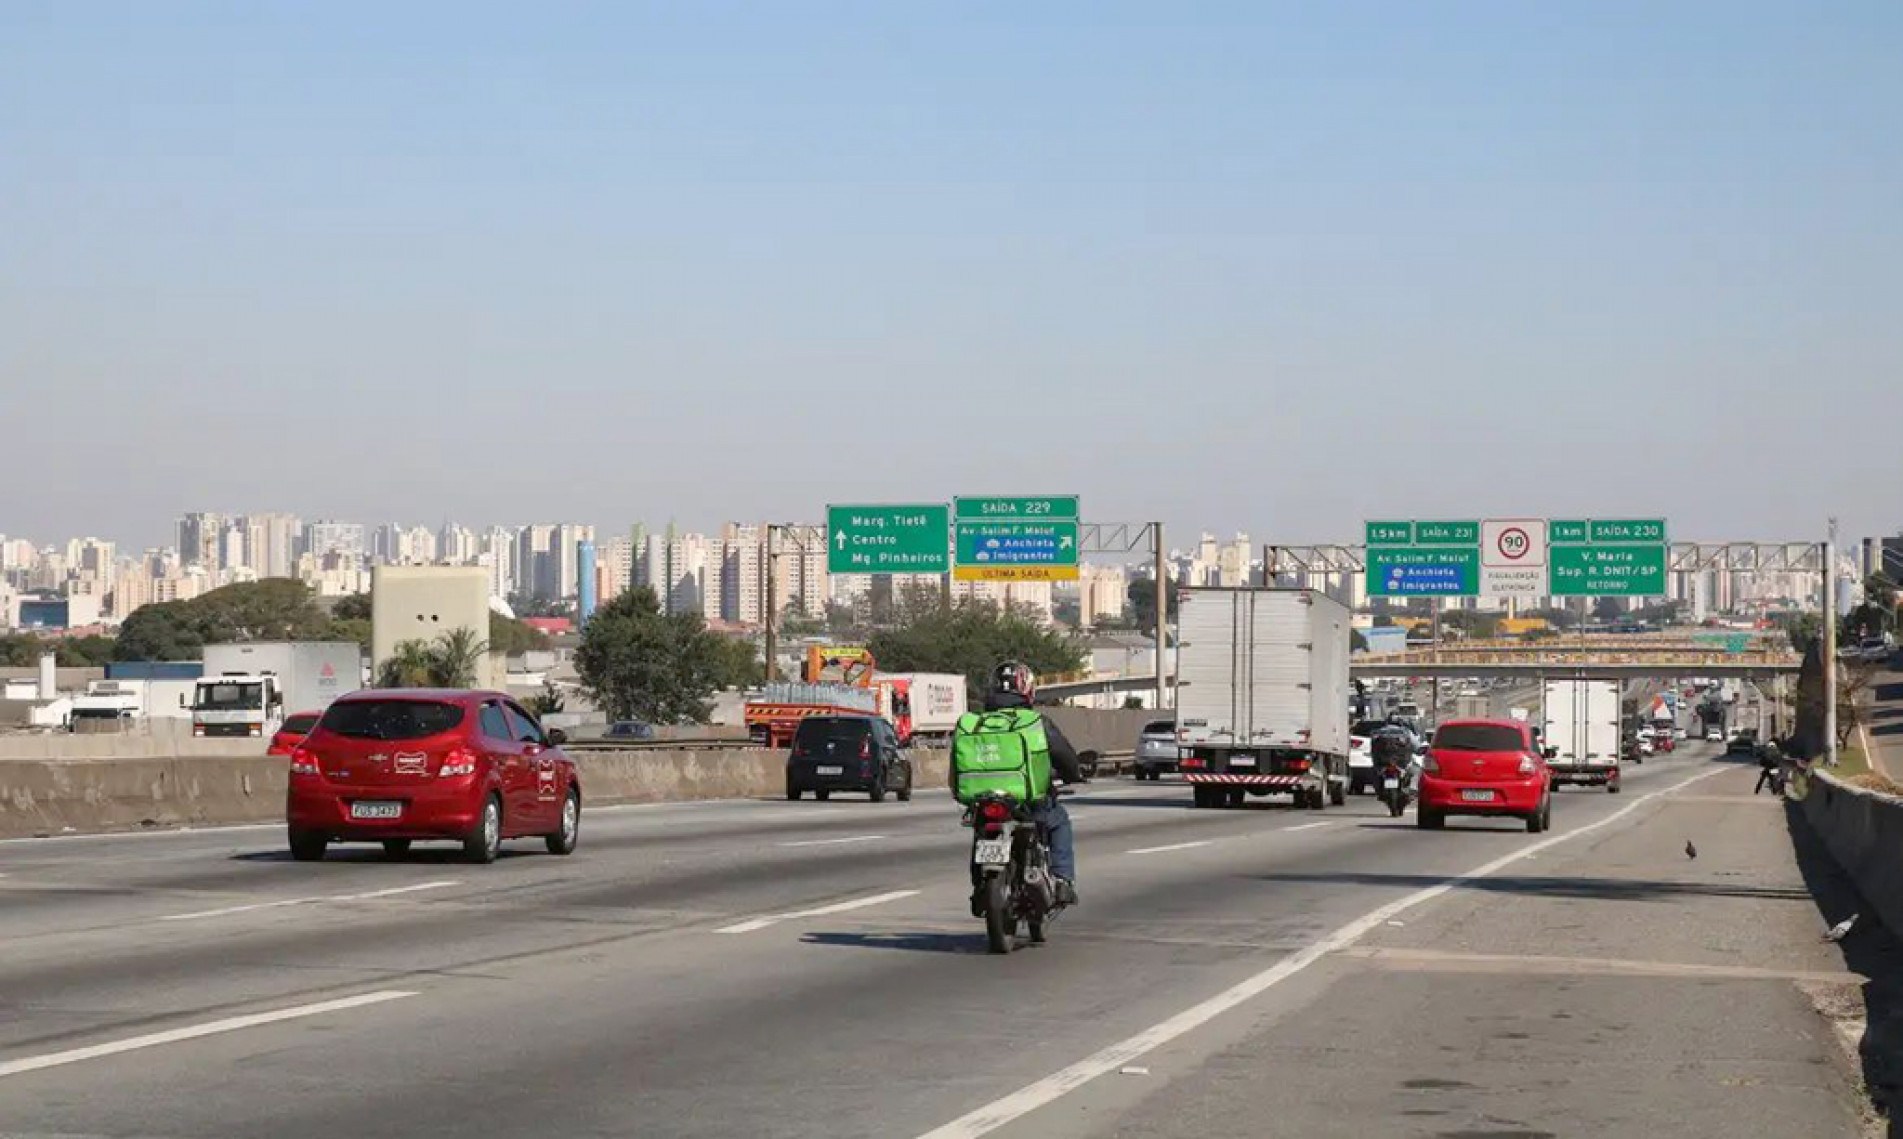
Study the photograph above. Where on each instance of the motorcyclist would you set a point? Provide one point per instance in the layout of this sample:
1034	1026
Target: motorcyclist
1013	686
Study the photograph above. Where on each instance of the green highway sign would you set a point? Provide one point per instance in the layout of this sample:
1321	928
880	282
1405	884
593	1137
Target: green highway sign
1417	572
888	539
1447	533
1015	551
1628	530
1615	569
1044	507
1390	533
1567	530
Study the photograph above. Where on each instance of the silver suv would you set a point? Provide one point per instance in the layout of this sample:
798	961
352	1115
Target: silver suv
1157	752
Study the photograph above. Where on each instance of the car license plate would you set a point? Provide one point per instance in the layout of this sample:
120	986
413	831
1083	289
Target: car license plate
991	852
376	810
1242	761
1477	796
829	770
1390	784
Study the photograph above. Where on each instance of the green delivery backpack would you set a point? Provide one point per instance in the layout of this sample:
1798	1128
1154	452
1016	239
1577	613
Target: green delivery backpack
1004	752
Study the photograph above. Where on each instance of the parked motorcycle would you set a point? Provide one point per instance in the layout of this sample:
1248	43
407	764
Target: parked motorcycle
1011	872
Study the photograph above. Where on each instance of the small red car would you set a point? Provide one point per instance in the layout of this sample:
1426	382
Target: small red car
296	726
396	765
1485	767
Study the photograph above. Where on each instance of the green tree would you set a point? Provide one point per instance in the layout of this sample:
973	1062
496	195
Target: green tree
276	609
510	636
409	665
452	660
1607	609
1357	643
354	607
1803	628
737	663
547	702
971	638
638	663
1141	597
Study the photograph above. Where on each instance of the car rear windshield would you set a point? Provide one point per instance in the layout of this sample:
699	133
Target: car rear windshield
818	731
391	719
1159	728
1479	737
300	725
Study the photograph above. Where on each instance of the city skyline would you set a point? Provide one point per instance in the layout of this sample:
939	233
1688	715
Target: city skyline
1233	268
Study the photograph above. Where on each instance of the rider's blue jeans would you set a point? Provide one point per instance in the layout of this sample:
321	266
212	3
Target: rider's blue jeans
1054	821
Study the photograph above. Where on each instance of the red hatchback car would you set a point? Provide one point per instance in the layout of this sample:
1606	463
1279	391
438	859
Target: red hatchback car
396	765
1485	767
296	726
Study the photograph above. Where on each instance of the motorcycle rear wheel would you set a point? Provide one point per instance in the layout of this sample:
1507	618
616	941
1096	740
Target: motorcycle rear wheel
1000	927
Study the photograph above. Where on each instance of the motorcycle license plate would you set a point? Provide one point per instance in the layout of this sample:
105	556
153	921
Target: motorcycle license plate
1390	784
991	852
829	770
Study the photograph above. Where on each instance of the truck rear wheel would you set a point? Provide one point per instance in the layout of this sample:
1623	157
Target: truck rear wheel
1205	796
1338	794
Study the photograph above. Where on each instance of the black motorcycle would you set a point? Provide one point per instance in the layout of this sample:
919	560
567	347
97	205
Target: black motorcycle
1011	872
1391	756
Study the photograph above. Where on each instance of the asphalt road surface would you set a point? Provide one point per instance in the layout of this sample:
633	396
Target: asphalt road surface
810	969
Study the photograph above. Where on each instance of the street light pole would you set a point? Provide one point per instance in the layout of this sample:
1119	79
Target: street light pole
1830	646
772	604
1162	615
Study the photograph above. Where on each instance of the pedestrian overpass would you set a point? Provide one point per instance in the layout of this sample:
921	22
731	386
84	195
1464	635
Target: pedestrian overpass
1607	657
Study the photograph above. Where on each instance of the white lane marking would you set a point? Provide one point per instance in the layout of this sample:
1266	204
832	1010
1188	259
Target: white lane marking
173	832
1306	827
822	911
1172	846
1025	1100
392	892
835	841
193	1032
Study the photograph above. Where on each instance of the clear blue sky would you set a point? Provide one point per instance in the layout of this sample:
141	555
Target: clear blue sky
1268	266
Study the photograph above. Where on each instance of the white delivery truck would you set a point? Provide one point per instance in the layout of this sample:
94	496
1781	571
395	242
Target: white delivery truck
933	701
1262	695
1579	732
248	689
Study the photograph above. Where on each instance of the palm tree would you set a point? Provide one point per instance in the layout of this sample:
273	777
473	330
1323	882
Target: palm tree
456	659
412	665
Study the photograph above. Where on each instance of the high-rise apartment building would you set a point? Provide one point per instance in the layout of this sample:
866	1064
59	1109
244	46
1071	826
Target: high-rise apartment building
200	538
565	554
617	567
344	540
535	572
457	546
271	543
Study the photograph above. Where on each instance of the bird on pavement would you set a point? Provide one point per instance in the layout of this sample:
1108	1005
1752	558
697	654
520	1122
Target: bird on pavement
1690	850
1842	929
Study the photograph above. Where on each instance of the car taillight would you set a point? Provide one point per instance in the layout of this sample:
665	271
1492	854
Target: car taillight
257	729
865	748
198	729
1298	766
1527	766
462	761
1431	764
303	762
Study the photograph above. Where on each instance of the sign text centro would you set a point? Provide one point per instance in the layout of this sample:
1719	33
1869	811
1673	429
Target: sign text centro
888	539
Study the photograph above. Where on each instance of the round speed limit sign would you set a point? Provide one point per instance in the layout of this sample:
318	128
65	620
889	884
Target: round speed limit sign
1514	544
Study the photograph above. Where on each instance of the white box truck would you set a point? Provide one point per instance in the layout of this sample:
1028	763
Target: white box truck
1262	695
249	688
1579	732
929	703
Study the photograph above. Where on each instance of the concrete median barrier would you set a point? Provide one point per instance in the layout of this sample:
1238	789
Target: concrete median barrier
1863	830
85	796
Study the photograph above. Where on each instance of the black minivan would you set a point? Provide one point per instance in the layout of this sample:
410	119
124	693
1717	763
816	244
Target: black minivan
847	753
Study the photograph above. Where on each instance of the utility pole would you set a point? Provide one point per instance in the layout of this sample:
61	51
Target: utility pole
1830	646
1162	615
772	604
